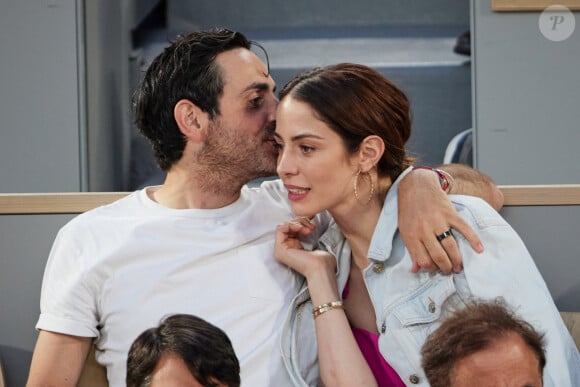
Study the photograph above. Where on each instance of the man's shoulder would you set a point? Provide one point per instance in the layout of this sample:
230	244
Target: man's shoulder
120	208
270	190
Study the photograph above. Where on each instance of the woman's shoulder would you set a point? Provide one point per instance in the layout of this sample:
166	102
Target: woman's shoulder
477	211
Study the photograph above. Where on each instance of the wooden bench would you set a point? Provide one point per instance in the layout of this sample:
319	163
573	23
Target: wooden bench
572	321
94	375
75	203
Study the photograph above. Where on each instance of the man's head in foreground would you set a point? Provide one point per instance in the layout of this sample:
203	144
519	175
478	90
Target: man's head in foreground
484	344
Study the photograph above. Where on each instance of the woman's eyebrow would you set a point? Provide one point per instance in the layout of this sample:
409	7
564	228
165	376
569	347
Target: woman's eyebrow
300	136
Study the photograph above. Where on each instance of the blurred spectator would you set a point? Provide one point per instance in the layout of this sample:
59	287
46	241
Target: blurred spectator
183	350
484	344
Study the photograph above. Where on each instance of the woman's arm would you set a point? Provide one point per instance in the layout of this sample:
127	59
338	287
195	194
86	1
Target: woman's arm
340	359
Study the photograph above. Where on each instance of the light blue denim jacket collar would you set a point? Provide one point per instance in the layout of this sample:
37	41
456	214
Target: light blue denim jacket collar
382	241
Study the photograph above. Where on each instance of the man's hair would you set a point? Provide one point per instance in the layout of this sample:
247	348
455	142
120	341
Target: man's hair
206	350
476	327
184	70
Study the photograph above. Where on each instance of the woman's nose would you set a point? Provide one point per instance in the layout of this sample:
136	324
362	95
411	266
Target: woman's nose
285	165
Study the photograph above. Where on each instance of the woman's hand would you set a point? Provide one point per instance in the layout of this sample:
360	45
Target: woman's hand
289	251
340	359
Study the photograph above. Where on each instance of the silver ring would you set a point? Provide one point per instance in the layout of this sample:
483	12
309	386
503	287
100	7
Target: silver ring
444	235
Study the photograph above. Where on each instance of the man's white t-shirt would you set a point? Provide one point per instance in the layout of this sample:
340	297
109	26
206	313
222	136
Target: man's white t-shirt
119	269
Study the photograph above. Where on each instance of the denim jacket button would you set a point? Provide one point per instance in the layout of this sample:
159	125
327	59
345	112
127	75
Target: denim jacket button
432	307
378	268
414	379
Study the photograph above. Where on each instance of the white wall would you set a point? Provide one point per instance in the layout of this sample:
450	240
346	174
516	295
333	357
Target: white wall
526	94
40	99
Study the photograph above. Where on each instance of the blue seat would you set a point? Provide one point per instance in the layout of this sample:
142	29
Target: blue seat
460	149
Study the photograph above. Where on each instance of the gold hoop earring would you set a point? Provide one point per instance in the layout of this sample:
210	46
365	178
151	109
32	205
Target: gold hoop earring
355	182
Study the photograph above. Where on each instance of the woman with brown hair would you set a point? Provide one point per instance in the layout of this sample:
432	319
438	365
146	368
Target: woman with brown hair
365	313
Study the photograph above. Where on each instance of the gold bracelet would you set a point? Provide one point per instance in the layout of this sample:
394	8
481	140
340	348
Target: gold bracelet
326	307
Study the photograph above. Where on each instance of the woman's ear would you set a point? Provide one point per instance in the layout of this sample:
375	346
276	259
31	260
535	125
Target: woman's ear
371	150
190	119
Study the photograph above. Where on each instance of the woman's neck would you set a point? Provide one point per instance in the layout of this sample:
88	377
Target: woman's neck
357	223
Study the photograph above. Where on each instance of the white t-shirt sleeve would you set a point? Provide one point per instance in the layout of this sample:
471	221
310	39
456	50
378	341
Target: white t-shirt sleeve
68	299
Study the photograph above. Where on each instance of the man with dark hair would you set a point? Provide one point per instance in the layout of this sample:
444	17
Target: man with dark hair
188	79
202	243
184	350
484	344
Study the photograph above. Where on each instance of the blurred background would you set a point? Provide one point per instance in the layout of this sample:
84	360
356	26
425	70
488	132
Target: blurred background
68	70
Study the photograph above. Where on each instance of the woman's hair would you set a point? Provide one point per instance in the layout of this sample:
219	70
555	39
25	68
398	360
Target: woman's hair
356	101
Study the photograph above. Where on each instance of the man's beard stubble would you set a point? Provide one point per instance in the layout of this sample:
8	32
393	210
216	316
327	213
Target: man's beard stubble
228	160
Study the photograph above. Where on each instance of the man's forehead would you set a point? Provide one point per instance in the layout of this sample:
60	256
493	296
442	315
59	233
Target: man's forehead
243	69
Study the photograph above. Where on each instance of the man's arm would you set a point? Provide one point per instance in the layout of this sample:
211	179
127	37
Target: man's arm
468	181
425	211
58	359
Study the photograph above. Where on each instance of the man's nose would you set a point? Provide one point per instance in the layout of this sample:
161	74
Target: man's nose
272	109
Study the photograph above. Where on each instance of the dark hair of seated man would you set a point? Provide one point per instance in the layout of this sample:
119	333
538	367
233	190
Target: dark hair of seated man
484	343
184	350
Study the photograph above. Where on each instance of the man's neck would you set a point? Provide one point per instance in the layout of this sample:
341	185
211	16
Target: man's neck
186	192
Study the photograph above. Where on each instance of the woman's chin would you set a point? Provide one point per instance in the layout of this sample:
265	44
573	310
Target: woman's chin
300	212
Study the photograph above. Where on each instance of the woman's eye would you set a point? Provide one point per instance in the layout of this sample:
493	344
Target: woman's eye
306	148
278	146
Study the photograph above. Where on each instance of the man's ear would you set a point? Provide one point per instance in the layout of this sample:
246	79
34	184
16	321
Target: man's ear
370	152
190	119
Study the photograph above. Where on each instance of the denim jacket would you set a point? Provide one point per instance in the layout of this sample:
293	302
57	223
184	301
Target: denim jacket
409	306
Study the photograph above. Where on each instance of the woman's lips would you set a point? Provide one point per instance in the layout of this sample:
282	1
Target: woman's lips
297	193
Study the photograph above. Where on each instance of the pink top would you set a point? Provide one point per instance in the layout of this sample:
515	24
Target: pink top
368	342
